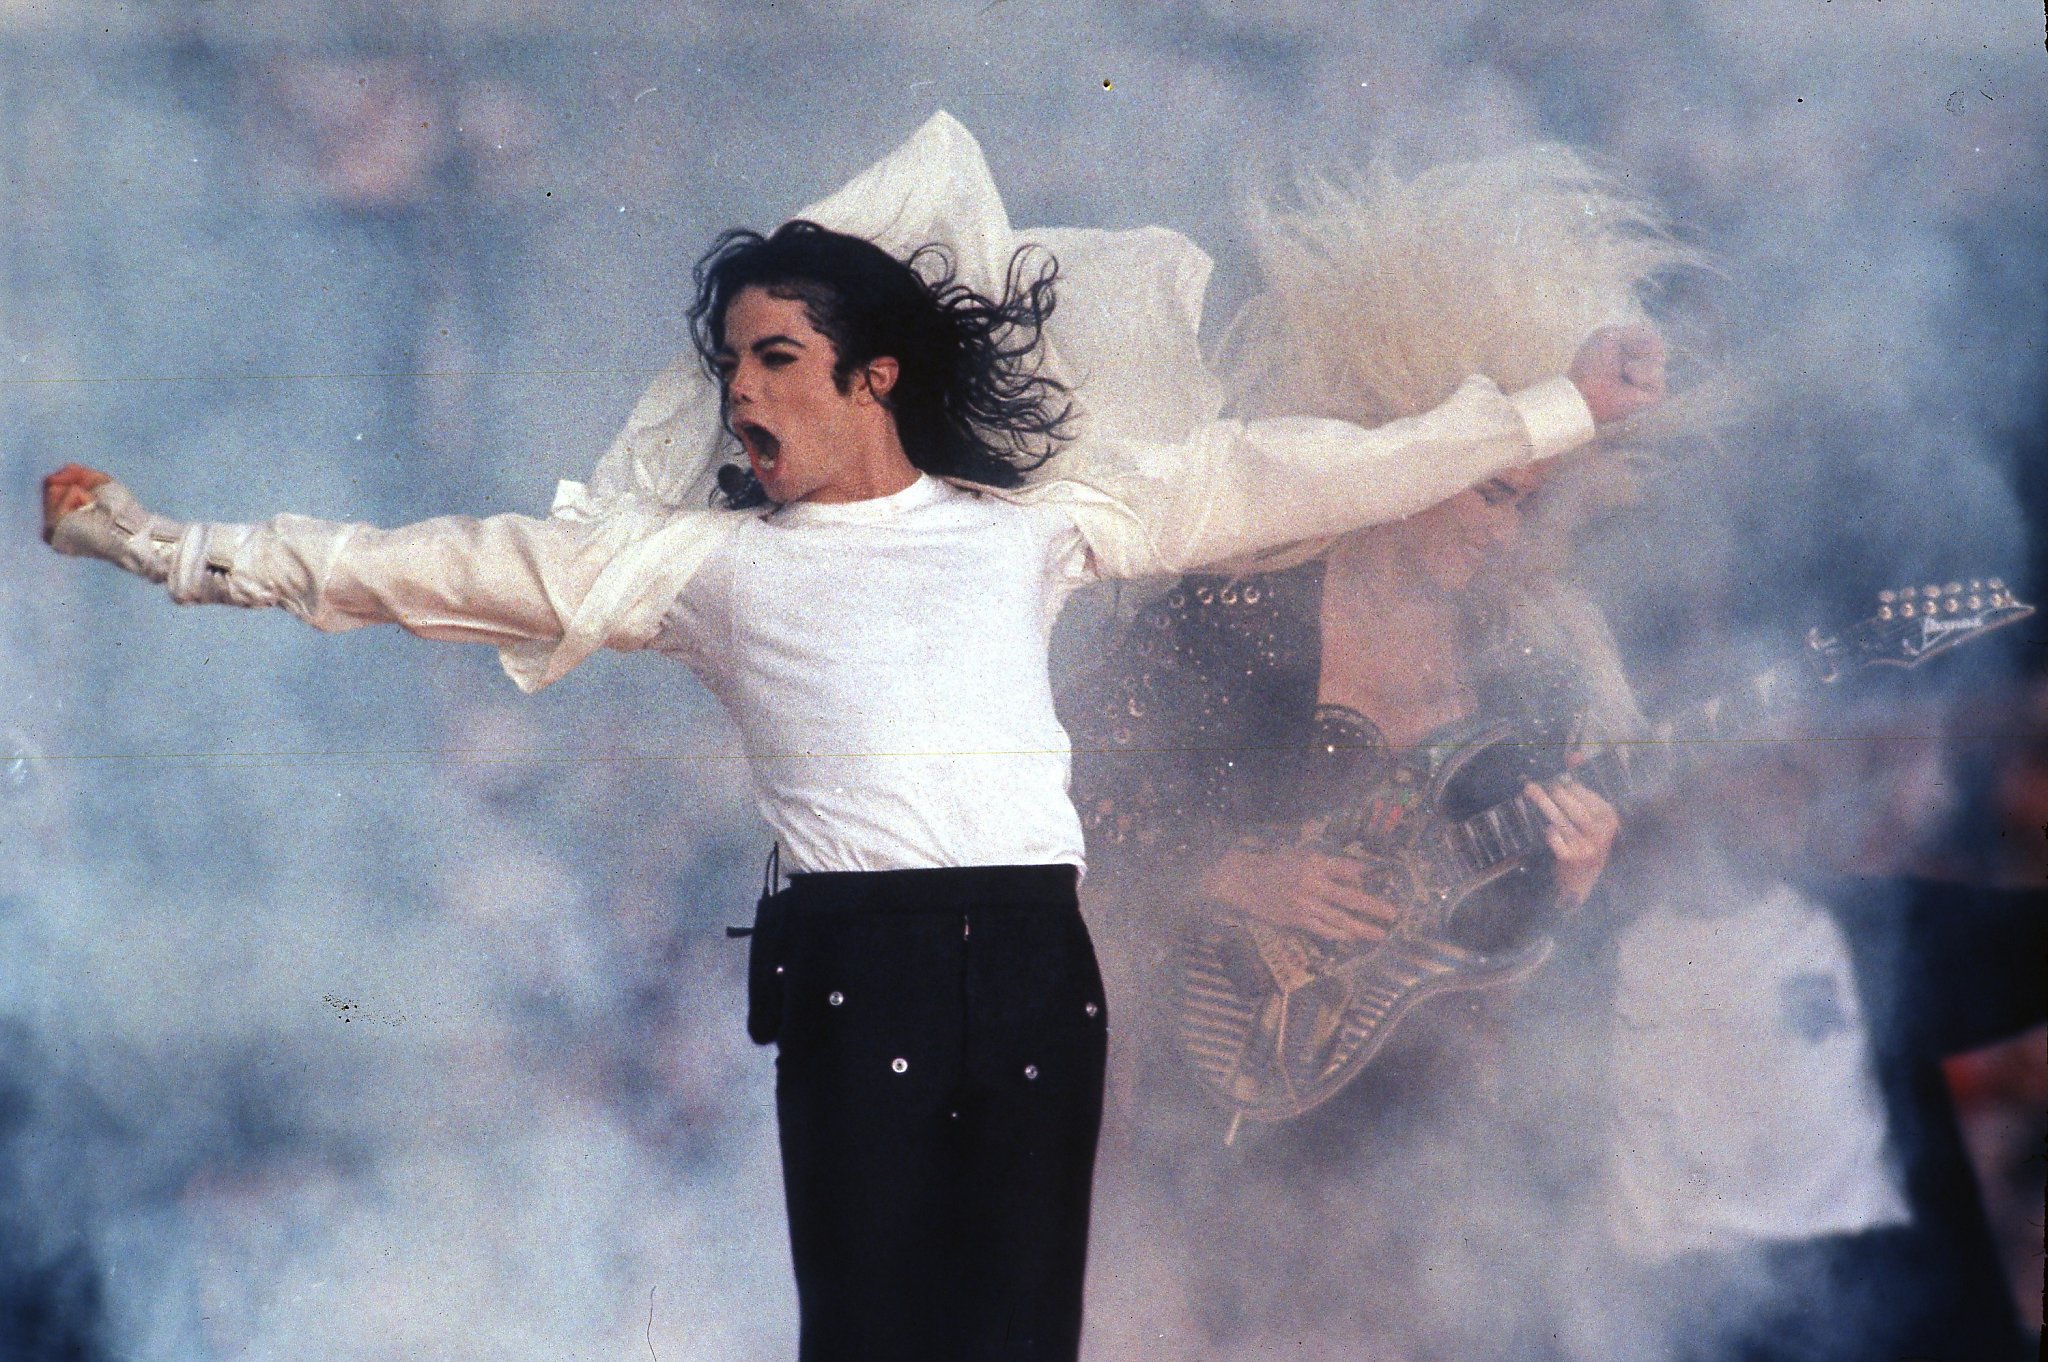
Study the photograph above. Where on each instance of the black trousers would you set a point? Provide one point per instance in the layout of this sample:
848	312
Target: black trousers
939	1095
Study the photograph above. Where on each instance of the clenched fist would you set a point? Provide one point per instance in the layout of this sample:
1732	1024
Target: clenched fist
69	489
1620	371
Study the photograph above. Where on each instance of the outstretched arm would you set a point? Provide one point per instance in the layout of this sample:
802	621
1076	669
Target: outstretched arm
500	581
1238	489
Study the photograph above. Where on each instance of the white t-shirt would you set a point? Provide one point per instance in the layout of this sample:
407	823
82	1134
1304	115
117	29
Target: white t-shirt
885	662
1746	1094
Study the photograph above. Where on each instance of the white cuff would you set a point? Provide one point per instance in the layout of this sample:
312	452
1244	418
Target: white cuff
114	527
203	569
1556	416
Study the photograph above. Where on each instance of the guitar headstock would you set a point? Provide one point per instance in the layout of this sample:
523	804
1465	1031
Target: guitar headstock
1914	623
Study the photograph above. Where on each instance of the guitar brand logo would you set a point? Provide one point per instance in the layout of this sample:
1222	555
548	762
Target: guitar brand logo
1930	627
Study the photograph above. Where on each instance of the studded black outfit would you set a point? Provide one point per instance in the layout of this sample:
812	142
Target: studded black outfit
1204	730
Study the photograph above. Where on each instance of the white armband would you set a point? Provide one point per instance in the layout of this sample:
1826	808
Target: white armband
196	562
203	569
114	527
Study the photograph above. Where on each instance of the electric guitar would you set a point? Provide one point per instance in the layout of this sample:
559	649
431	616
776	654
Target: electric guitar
1275	1020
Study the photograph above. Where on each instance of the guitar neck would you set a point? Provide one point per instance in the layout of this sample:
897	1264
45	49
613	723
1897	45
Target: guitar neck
1911	625
1622	772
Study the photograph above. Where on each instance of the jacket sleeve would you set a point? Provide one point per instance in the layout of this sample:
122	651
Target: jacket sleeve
1181	740
504	580
1139	772
546	593
1234	489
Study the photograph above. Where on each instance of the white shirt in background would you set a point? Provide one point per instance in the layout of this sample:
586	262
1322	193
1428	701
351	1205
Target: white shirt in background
1746	1095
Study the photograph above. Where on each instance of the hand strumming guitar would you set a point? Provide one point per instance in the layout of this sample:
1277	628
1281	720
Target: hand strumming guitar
1299	887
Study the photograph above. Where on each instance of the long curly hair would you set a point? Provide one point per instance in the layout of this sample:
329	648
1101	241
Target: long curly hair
968	401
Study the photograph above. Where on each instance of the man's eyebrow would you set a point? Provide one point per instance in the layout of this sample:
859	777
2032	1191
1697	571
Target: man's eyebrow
777	339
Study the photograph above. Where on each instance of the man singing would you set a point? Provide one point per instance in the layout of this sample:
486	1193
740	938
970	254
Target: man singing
870	599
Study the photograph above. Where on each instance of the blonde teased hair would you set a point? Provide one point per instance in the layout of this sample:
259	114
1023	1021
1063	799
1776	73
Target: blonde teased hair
1381	296
1382	293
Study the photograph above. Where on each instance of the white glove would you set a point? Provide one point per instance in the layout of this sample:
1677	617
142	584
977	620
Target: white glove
196	562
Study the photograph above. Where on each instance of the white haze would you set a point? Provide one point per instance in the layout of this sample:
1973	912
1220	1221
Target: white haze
350	1003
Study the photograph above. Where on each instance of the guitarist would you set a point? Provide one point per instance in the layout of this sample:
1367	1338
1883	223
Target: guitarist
1240	710
1293	707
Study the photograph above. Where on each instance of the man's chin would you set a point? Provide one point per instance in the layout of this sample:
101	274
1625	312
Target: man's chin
765	474
780	489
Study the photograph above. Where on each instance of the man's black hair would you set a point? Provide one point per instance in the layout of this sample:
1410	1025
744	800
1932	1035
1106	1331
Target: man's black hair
968	399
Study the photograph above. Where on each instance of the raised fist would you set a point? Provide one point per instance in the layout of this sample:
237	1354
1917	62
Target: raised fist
1620	371
69	489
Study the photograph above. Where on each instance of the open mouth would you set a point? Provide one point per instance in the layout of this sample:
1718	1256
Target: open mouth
762	447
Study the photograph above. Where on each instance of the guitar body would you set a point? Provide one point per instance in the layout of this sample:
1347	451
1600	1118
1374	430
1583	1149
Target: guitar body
1276	1021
